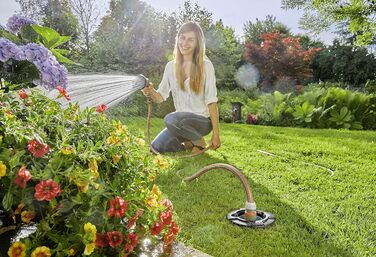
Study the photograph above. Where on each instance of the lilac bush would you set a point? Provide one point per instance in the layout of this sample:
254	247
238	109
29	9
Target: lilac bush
16	22
52	73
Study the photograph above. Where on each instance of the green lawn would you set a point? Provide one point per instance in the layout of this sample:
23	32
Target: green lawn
317	214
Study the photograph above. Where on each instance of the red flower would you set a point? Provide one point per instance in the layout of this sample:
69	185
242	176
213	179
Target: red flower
22	177
168	204
22	94
37	148
166	218
118	207
132	242
133	239
101	240
156	229
170	236
63	92
47	190
133	220
101	108
115	238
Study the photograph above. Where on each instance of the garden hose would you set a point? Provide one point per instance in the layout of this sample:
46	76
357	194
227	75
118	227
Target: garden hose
250	206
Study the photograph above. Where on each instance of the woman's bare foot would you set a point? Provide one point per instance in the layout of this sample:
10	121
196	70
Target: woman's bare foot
199	147
188	145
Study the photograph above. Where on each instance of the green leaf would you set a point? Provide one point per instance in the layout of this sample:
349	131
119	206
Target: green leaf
46	33
62	58
7	201
61	40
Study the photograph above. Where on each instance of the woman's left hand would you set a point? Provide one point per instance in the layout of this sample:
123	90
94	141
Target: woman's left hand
215	142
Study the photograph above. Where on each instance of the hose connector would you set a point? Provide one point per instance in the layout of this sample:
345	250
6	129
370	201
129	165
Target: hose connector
250	213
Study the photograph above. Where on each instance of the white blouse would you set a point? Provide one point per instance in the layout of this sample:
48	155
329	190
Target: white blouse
187	100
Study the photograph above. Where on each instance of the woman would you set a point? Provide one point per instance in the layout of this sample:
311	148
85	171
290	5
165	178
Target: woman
190	77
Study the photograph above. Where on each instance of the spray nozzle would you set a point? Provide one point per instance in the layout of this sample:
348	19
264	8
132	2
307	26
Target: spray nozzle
145	80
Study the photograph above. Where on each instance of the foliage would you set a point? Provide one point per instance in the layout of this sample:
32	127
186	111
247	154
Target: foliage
316	107
320	14
224	50
59	16
351	66
278	57
83	178
225	98
252	31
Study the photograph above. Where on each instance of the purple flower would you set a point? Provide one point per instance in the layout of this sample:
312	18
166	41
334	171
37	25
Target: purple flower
52	73
16	22
9	50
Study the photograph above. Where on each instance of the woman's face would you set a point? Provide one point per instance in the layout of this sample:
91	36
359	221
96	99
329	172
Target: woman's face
187	43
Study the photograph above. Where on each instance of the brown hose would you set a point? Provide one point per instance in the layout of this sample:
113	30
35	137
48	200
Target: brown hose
250	210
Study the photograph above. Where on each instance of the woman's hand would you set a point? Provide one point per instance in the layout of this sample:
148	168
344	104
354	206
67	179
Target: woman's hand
148	89
215	142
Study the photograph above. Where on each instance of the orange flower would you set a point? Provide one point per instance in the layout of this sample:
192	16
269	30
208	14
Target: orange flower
63	93
37	148
27	216
17	249
42	251
22	94
101	108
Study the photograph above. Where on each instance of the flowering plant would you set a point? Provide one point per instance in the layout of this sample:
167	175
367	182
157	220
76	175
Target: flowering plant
29	53
86	181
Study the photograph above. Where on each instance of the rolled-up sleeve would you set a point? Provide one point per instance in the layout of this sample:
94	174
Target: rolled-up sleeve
165	87
210	86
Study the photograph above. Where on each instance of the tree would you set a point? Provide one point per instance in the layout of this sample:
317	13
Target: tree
352	66
224	50
87	14
280	58
33	9
320	14
131	37
252	31
59	16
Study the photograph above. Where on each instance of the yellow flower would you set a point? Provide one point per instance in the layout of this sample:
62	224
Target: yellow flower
116	158
156	192
19	208
93	166
71	252
3	169
89	248
140	141
84	188
120	128
151	203
17	249
67	150
113	140
27	216
42	251
90	229
161	163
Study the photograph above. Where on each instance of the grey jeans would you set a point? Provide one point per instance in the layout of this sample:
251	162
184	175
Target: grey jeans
180	127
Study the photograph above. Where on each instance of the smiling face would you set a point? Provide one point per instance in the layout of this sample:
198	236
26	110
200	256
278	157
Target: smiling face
187	43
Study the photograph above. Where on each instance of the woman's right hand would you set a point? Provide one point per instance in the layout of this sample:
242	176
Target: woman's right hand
147	90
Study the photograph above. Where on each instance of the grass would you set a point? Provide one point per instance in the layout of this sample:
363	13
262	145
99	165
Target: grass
317	214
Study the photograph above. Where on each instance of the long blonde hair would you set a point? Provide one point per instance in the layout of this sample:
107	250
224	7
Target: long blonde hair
197	69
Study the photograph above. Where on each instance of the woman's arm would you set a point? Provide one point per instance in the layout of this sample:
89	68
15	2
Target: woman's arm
214	117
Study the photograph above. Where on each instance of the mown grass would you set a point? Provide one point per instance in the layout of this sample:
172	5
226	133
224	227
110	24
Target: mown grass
317	214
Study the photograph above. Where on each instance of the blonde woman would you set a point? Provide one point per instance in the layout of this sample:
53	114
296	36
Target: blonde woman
190	77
